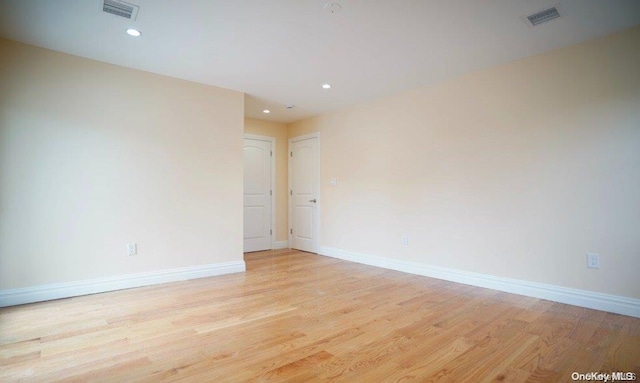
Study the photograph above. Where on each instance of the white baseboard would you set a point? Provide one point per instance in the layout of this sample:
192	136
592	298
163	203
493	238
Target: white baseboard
583	298
41	293
280	245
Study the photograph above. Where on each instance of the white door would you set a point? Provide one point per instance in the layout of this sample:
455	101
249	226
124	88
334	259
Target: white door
303	194
257	194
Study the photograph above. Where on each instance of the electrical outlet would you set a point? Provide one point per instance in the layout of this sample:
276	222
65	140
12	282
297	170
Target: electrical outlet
593	261
405	240
132	248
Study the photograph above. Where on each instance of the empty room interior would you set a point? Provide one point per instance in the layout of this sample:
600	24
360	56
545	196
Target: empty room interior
348	191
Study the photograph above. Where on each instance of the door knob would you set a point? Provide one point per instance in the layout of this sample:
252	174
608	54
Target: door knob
312	200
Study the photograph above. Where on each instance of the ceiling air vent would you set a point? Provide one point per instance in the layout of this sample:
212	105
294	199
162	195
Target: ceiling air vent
543	16
120	8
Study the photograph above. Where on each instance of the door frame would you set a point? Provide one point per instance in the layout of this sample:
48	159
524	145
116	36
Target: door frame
272	141
317	219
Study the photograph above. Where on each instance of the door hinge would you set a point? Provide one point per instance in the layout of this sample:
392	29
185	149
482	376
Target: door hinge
291	154
270	232
270	192
272	153
290	192
291	231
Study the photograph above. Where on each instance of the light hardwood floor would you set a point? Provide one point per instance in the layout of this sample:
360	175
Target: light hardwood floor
300	317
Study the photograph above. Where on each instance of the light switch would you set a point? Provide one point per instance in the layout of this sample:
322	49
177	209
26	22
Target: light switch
334	181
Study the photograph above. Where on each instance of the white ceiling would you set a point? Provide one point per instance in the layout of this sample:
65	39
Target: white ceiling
282	51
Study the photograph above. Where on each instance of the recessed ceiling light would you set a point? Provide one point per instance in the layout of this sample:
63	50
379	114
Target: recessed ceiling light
326	86
133	32
266	111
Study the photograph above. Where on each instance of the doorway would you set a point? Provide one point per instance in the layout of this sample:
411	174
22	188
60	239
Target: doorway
258	193
304	192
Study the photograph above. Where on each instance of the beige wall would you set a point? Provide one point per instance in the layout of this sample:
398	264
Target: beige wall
516	171
93	156
279	132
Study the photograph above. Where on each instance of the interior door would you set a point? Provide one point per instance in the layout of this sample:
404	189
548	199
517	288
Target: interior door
257	194
304	185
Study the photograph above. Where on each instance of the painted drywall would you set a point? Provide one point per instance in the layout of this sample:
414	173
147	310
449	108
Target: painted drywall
517	171
279	132
93	156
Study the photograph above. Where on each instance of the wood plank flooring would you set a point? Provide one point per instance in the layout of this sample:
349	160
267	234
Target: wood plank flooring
298	317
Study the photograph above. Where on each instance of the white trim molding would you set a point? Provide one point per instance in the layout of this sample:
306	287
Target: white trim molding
583	298
48	292
277	245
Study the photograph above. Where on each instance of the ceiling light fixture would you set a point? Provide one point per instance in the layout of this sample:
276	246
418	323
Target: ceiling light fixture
326	86
266	111
133	32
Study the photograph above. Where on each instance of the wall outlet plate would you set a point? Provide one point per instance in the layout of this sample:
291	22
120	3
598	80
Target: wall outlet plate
593	261
132	248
